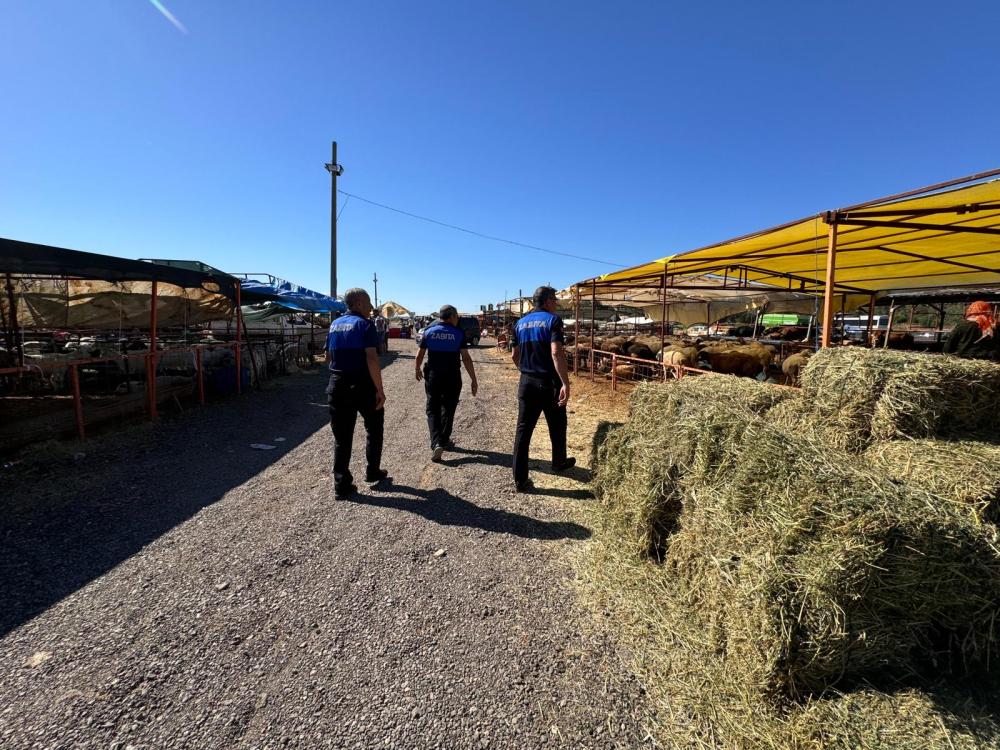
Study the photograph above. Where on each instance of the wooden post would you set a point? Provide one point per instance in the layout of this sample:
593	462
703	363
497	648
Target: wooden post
201	376
831	275
151	360
74	376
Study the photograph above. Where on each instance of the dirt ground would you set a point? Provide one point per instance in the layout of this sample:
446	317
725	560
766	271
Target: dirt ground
171	587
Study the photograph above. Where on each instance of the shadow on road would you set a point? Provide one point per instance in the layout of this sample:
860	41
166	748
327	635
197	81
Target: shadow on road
495	458
67	522
440	506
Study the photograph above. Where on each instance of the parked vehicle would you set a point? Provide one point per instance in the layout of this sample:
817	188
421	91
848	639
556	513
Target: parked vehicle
470	326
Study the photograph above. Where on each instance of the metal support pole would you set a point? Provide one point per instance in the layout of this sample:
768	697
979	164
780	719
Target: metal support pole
663	311
614	372
74	376
239	352
14	343
593	323
831	275
888	326
576	337
151	366
871	320
941	323
201	375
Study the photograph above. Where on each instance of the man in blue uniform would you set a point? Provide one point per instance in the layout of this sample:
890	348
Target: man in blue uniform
544	387
355	388
442	375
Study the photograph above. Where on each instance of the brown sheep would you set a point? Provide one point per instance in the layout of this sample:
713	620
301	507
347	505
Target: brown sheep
686	356
625	372
792	366
640	351
734	363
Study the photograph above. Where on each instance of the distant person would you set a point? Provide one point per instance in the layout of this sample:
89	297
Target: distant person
355	388
382	330
544	387
975	336
442	376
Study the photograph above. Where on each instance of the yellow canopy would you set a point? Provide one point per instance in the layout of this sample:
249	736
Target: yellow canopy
950	237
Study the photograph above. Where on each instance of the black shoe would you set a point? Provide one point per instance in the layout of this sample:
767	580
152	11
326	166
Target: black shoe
448	445
372	479
344	491
569	463
526	487
436	454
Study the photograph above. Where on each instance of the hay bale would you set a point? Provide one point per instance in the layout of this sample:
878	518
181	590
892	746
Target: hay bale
939	396
863	395
758	569
598	443
909	719
807	568
637	466
699	704
962	472
814	572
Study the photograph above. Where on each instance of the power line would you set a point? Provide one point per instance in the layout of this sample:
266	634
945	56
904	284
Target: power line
344	206
478	234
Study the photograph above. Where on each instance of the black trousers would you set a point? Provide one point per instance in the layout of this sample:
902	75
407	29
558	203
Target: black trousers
443	392
538	395
347	397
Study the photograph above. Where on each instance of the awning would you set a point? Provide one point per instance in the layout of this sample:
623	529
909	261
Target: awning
30	259
947	238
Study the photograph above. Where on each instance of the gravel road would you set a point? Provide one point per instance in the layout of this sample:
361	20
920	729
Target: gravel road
175	588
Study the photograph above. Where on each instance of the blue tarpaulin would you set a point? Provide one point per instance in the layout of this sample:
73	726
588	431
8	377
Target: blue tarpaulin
290	295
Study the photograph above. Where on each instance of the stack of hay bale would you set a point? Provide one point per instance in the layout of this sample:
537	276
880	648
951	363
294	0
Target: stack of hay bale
802	570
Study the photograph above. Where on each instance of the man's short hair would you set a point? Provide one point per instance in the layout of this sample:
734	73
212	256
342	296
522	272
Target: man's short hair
542	295
447	311
354	295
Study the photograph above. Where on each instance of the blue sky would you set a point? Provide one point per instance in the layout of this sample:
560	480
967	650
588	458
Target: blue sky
617	131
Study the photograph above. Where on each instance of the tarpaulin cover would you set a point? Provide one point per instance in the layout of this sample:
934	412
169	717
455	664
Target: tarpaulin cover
28	258
81	303
296	298
869	258
700	299
267	311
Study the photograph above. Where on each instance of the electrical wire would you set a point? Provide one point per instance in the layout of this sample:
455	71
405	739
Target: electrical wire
479	234
344	206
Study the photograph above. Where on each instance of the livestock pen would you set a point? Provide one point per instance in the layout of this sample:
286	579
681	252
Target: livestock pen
932	246
90	340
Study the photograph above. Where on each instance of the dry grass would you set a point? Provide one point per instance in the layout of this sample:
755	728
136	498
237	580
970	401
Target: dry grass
963	472
757	572
858	396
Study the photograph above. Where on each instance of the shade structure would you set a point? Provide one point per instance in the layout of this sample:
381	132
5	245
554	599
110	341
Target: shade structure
31	259
949	237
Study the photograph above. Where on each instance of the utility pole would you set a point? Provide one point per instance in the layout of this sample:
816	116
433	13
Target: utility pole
375	282
335	171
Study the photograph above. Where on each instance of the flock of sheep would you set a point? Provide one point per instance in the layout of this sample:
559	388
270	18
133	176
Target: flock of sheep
750	359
